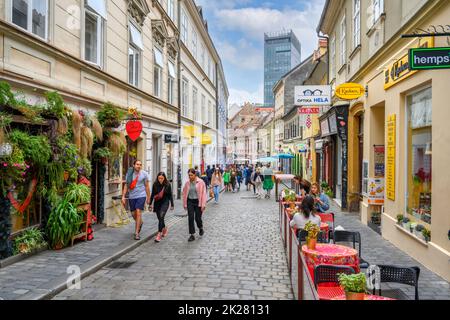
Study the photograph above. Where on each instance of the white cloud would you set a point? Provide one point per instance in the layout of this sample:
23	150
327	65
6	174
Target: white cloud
240	96
242	54
254	22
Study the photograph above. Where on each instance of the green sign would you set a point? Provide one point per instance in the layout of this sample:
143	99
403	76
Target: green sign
429	58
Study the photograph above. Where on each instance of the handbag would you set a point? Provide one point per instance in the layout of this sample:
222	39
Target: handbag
160	194
134	183
211	193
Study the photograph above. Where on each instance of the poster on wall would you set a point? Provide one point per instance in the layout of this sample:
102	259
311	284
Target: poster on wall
391	150
376	191
379	161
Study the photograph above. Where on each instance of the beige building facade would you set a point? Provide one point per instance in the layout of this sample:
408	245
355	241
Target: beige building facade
392	167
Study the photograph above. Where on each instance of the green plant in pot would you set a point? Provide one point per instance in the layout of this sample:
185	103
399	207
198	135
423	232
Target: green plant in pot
354	285
29	241
290	197
313	232
426	234
400	219
418	230
406	223
102	154
63	223
77	194
110	115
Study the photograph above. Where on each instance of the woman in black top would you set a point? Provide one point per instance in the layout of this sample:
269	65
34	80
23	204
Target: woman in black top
162	194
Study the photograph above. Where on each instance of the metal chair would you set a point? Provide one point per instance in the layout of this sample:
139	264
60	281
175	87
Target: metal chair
329	274
403	275
329	219
353	237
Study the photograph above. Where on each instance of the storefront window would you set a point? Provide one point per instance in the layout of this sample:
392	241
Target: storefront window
419	155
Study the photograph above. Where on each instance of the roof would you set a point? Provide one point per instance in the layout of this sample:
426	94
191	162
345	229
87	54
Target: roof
300	65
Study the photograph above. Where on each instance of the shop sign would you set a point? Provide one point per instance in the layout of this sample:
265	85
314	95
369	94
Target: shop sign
134	129
391	150
319	145
376	191
308	110
333	123
350	91
171	138
379	152
324	127
400	70
312	96
429	58
302	148
206	139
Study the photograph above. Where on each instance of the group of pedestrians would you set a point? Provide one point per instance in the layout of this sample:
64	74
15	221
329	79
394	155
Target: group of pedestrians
159	198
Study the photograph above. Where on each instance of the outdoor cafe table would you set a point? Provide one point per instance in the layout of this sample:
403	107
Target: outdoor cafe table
331	254
366	297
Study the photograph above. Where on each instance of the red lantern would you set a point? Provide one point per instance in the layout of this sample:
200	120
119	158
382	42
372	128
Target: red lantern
134	129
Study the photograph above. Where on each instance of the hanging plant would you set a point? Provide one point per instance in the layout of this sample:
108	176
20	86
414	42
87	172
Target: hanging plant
5	121
36	149
97	129
63	126
110	115
31	113
77	121
69	158
7	97
87	141
117	144
55	105
85	168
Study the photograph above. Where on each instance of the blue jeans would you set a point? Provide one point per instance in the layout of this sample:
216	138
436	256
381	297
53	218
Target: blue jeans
216	193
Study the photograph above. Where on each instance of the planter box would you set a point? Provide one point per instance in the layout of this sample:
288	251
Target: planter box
19	257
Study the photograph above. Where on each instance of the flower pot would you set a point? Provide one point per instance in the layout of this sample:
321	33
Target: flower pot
311	243
59	246
292	205
66	175
23	248
354	296
406	225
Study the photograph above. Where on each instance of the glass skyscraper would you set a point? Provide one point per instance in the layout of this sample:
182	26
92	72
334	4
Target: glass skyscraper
282	52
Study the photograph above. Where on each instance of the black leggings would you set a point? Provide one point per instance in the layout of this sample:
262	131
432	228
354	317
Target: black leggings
161	214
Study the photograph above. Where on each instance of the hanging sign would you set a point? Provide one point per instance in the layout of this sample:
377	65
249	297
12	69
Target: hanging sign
308	110
391	150
429	58
134	129
350	91
312	96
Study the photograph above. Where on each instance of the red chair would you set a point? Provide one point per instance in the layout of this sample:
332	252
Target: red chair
326	280
328	218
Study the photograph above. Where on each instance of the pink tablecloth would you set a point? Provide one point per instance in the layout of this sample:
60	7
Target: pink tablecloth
332	254
366	297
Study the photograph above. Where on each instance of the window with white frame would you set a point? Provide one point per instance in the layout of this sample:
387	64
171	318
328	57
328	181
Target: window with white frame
94	16
356	23
134	55
31	15
171	9
185	98
204	112
202	57
209	124
184	27
157	72
171	83
333	57
195	103
343	42
377	10
209	67
194	43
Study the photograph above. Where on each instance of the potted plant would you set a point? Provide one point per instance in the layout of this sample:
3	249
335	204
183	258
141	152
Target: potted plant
426	234
78	194
418	231
400	219
290	197
63	223
354	285
313	232
406	223
29	241
110	115
376	218
102	154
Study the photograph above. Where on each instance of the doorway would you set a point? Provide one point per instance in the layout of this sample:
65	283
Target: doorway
157	151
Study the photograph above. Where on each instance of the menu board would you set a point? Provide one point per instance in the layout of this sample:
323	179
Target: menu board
376	192
391	150
379	161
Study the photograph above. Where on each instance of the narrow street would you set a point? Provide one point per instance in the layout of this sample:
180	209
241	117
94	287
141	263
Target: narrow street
240	257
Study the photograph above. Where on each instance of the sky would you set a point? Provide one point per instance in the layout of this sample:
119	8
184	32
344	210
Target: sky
237	28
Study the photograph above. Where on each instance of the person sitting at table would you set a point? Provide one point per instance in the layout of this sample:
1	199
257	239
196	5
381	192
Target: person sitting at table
305	185
305	215
322	204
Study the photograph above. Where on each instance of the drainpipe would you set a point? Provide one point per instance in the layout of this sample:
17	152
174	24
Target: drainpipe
180	155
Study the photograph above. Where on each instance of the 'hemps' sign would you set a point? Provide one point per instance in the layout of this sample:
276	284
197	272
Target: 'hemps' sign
429	58
312	96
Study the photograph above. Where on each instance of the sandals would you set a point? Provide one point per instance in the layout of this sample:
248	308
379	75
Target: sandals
137	237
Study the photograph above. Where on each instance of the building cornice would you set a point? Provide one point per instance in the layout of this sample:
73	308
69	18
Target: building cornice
166	17
11	30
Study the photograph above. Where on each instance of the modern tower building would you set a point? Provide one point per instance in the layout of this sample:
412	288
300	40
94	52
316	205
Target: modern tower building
282	52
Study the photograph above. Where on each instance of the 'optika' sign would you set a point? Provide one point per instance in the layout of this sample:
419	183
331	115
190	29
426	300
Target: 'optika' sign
429	58
312	96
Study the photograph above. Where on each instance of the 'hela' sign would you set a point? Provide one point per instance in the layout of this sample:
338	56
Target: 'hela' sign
312	96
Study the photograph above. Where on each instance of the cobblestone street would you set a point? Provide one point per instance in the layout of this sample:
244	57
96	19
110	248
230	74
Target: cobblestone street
240	257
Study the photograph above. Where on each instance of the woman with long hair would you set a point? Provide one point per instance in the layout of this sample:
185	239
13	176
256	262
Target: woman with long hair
163	197
194	201
216	183
321	200
306	214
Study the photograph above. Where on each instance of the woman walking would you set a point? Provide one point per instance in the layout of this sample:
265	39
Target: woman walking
163	197
216	182
257	181
194	201
233	180
138	187
226	180
268	181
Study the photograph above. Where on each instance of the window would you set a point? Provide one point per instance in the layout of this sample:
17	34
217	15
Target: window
195	103
204	112
171	9
356	23
209	67
209	124
377	10
31	15
157	72
333	57
94	16
184	28
202	57
343	43
134	55
419	144
171	83
185	98
194	43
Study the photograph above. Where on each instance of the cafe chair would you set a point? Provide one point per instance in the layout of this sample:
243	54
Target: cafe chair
402	275
329	219
326	280
354	238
